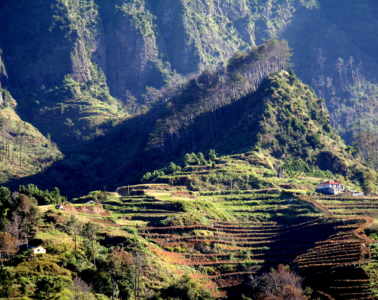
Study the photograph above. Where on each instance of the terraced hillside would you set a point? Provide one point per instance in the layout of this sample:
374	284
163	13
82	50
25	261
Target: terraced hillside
230	235
350	282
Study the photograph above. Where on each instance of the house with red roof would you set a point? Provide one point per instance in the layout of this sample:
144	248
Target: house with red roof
331	187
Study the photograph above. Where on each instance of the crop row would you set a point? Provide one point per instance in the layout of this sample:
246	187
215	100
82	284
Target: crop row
218	237
217	234
195	263
226	242
359	204
330	258
331	264
318	253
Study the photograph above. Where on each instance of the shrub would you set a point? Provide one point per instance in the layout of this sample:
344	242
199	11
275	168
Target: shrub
173	168
43	197
367	180
278	284
185	289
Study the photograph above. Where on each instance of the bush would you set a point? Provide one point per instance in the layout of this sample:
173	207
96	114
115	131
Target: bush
278	284
42	197
184	289
173	168
367	180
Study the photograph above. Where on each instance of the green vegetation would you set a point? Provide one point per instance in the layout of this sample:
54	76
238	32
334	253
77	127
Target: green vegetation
78	261
42	197
293	141
161	240
71	100
183	289
23	149
229	145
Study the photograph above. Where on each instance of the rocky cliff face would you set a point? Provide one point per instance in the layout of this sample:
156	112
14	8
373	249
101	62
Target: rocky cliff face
76	67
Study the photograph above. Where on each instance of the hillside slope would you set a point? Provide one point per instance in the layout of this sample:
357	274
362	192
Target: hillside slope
238	106
24	151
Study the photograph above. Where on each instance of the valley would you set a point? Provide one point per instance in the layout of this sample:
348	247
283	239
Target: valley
188	150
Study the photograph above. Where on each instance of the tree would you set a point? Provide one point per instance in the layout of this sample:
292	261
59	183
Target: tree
212	155
50	288
201	159
74	227
21	216
8	243
28	212
189	159
90	232
6	279
122	273
173	168
42	196
81	290
185	289
280	284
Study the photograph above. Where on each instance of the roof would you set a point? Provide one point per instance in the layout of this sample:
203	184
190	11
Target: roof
36	247
331	182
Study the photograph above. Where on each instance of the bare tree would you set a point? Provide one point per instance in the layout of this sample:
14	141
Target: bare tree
80	289
280	284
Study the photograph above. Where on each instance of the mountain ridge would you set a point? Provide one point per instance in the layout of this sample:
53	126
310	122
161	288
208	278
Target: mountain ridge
239	121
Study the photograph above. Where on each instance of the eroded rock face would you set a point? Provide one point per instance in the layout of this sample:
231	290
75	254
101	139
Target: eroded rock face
76	66
132	55
101	58
134	43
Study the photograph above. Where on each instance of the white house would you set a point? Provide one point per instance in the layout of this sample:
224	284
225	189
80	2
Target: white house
59	206
38	250
330	188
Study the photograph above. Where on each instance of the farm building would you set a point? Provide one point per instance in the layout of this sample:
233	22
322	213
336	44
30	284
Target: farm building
330	188
38	250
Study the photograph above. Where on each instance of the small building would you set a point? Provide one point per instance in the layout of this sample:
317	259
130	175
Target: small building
357	194
38	250
330	188
59	206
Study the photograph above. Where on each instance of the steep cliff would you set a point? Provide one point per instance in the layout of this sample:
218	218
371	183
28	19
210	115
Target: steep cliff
54	58
338	58
69	61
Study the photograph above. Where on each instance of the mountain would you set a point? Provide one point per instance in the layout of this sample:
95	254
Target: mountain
237	105
48	57
218	238
338	59
77	68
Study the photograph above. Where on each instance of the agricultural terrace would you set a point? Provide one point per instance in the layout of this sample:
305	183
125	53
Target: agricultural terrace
225	236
